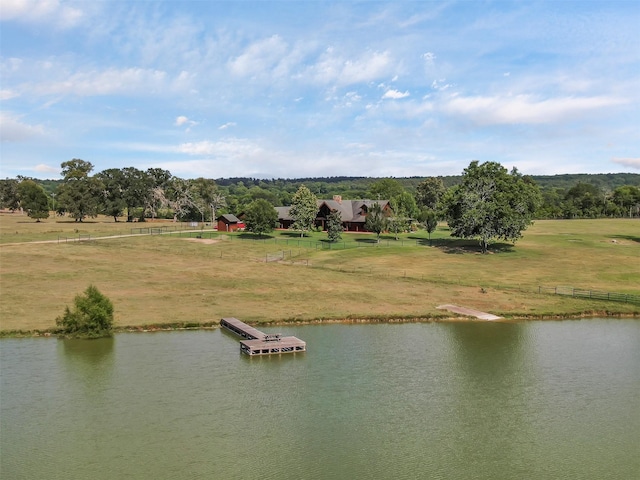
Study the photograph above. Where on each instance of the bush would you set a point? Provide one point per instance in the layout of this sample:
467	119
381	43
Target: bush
92	316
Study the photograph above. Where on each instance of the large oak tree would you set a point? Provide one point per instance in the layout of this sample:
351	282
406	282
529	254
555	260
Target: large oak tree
491	204
33	199
79	195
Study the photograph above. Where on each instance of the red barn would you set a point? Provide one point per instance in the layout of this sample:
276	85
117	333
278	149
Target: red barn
229	223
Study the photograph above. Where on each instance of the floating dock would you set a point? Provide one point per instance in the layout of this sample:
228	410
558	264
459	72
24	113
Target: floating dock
258	343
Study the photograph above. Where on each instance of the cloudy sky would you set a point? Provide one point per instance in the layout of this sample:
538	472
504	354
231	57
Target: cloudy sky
319	88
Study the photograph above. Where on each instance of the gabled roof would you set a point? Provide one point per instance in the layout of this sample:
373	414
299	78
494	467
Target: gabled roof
350	210
228	218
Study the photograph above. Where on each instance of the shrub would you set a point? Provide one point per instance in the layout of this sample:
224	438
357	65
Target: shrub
92	316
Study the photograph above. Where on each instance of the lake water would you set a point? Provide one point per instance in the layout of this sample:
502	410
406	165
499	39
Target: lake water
538	400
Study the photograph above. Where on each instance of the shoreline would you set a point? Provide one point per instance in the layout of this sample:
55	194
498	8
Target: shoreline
183	326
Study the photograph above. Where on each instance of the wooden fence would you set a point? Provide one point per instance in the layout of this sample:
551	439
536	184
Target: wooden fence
593	294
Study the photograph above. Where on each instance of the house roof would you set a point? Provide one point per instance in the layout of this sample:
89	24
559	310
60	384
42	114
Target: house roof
350	210
228	218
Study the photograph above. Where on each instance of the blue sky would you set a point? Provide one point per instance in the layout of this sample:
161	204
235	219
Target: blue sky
308	88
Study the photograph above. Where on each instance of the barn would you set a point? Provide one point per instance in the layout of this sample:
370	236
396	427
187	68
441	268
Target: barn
229	223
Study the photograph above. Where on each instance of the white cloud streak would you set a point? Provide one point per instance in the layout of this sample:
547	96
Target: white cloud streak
395	94
50	12
13	130
628	162
334	68
524	109
113	81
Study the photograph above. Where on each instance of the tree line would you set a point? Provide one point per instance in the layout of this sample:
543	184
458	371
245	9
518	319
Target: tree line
486	202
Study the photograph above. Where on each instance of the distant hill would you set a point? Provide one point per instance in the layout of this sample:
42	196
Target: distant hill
357	187
342	185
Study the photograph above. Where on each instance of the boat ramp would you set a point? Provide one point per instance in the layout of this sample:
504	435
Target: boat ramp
259	343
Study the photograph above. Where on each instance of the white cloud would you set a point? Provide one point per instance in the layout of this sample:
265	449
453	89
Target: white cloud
332	68
50	12
6	94
230	148
440	85
13	130
395	94
429	58
524	108
259	57
227	125
628	162
107	82
42	168
181	120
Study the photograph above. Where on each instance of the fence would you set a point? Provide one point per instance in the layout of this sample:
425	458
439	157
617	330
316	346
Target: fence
592	294
82	237
156	230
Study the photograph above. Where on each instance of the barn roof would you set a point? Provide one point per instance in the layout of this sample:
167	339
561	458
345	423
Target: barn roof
228	218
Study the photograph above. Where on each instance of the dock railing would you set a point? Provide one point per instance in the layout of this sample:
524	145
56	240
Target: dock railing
592	294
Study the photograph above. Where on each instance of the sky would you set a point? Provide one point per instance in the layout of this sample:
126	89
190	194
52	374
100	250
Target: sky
297	89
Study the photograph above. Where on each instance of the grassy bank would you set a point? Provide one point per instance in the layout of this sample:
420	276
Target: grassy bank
177	280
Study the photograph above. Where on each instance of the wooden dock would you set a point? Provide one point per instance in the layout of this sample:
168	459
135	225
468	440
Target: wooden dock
258	343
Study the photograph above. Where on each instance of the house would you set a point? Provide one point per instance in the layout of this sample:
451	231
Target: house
229	223
352	212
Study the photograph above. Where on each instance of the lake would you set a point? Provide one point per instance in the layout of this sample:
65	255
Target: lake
539	400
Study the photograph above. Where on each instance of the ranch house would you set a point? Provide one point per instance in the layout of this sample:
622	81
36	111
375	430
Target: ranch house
352	212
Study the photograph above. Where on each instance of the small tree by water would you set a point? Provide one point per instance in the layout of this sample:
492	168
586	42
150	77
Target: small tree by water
92	316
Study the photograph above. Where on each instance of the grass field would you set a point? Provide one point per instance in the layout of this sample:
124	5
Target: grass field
178	278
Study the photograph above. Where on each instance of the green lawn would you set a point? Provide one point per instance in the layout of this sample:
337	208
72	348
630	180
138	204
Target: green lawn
178	278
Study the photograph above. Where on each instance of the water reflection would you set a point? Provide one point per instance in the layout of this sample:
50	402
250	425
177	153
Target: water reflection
481	400
93	352
87	363
494	386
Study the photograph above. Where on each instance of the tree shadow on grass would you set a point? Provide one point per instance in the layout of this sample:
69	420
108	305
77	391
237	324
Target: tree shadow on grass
459	246
253	236
292	234
627	237
424	241
372	240
83	222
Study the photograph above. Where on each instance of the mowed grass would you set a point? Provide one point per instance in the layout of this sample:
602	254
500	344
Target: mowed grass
162	279
18	227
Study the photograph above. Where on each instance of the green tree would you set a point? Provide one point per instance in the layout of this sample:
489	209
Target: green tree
334	226
376	220
158	177
9	194
304	209
92	316
207	197
79	195
491	203
180	197
584	200
429	192
33	199
137	187
385	189
260	217
627	197
112	200
404	209
429	219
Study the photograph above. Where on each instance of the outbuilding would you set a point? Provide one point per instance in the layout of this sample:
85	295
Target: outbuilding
229	223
